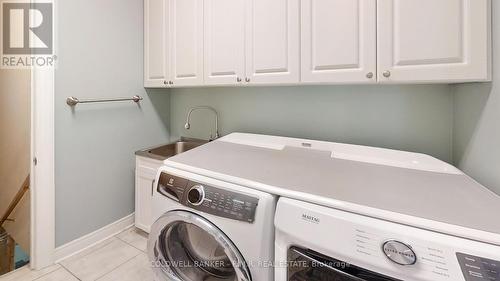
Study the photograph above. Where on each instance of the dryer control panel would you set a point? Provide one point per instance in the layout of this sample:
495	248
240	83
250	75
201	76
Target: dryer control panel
208	199
477	268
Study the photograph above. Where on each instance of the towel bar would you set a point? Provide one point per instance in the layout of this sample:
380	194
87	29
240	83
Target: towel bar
72	101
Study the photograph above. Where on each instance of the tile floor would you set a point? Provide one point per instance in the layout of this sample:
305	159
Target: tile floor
122	257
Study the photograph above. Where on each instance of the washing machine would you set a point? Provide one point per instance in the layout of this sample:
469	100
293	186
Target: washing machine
317	243
207	229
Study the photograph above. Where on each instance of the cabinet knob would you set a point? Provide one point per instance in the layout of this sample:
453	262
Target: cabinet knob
387	74
171	82
247	80
165	82
238	79
369	75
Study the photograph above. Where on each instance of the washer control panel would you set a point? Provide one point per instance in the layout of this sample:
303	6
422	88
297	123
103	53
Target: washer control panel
479	269
208	199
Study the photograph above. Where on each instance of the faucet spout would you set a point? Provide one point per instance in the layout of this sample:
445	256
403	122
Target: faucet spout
187	126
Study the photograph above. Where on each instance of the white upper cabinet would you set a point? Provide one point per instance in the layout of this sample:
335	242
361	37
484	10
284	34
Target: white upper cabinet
224	42
186	42
155	48
338	41
283	42
272	41
173	48
423	41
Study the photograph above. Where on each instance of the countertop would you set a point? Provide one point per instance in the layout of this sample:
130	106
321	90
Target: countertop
451	203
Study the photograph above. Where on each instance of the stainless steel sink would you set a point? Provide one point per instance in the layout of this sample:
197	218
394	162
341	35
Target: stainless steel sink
166	151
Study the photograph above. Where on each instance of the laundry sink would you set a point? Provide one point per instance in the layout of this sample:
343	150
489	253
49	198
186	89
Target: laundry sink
168	150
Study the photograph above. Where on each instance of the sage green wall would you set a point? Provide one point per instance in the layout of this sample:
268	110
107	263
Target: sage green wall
414	118
477	122
100	55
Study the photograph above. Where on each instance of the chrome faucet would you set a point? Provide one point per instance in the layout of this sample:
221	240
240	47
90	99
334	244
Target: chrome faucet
188	124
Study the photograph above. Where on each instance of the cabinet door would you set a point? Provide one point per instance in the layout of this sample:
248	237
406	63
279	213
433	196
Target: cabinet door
338	41
224	41
144	188
434	41
155	47
272	41
186	42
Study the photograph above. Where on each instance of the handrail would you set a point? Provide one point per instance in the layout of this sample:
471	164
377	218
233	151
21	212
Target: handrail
16	200
72	101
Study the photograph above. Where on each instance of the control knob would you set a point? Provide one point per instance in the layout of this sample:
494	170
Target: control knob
196	195
399	252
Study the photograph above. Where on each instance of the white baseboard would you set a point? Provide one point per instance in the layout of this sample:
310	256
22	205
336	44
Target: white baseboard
76	246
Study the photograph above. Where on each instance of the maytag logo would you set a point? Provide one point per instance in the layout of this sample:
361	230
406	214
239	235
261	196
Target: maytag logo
310	218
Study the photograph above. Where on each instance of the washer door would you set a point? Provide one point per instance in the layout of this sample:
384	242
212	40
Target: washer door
186	247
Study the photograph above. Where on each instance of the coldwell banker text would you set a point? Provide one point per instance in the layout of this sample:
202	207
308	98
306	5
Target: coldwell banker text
27	34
